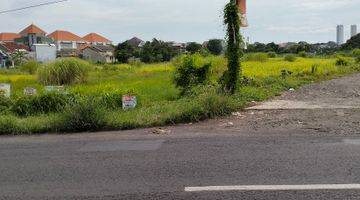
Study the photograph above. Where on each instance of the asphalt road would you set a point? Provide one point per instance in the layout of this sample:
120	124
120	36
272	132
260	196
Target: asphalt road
295	149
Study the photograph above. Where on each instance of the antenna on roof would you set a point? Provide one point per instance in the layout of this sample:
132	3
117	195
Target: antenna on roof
33	6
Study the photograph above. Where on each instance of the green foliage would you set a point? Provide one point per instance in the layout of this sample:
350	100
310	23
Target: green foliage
215	46
314	68
234	40
271	54
5	104
356	52
341	61
190	71
158	51
352	43
357	59
303	54
19	57
40	104
257	57
125	51
30	66
290	58
85	115
193	47
135	62
65	71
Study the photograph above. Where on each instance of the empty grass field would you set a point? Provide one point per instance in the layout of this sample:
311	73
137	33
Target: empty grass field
160	102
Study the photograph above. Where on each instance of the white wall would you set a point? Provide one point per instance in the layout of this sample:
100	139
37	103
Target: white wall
45	53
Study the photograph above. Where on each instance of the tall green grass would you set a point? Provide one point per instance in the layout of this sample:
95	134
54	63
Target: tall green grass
64	72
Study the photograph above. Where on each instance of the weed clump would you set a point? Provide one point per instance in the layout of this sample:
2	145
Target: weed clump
64	72
290	58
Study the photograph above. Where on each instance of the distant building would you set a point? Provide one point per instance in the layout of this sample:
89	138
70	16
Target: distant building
136	42
33	35
44	52
353	31
96	39
9	49
66	40
9	37
340	34
99	54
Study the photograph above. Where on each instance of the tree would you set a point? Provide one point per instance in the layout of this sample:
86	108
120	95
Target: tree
124	51
215	46
193	47
158	51
18	57
234	52
352	43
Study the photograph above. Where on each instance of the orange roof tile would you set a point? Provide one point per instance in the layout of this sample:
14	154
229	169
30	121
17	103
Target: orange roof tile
9	36
93	37
65	36
32	29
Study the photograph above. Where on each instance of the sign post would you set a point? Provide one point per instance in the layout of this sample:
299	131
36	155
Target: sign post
5	90
129	102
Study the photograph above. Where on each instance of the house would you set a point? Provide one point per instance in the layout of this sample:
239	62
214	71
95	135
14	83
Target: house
9	37
136	42
33	35
44	52
99	54
96	39
10	49
66	40
3	59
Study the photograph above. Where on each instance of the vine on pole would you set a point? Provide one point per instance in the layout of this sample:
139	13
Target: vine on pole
234	51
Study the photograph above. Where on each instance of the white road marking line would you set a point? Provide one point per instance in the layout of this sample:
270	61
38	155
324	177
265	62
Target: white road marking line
274	187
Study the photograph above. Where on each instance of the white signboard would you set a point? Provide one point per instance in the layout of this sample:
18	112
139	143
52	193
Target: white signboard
5	89
129	102
30	91
54	88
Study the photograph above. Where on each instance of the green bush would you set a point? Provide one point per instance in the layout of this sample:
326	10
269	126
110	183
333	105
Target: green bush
303	54
5	104
257	57
30	67
135	62
357	59
191	70
341	61
41	104
7	125
356	52
271	54
64	72
290	58
86	115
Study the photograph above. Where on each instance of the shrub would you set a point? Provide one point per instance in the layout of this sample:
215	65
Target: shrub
85	115
5	104
341	61
30	67
41	104
191	70
135	62
258	57
271	54
64	72
290	58
357	59
7	125
303	54
356	52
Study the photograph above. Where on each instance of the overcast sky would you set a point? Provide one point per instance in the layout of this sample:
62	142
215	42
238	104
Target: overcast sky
186	20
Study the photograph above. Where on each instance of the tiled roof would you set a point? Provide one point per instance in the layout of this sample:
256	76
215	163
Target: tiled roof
101	48
65	36
93	37
9	36
12	46
32	29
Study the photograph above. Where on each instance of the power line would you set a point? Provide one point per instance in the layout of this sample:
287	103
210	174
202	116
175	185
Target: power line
33	6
